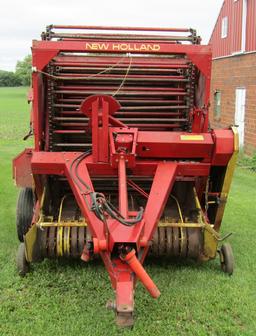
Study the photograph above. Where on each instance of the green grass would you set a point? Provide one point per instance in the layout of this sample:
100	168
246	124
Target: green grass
247	162
68	298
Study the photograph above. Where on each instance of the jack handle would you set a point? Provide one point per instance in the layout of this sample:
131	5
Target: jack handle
131	259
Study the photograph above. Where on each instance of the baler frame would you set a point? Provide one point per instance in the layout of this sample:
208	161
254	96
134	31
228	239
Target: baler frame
121	237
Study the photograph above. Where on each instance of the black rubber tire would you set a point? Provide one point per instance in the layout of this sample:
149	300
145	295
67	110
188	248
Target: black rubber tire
24	212
21	261
227	259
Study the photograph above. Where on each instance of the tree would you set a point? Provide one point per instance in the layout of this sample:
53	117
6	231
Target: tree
23	70
8	78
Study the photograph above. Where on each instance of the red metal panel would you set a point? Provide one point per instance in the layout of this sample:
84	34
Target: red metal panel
224	147
110	47
251	26
174	145
21	169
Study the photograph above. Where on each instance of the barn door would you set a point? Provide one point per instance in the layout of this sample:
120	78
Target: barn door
240	113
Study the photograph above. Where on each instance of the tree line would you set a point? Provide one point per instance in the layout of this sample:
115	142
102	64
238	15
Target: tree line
20	77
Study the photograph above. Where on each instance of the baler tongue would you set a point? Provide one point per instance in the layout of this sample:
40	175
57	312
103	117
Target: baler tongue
120	232
124	163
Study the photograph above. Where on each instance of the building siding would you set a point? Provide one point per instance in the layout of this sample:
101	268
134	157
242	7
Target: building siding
227	75
251	26
232	43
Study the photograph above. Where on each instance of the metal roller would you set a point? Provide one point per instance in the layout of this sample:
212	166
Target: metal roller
155	244
42	233
194	242
162	242
177	241
63	241
183	242
51	243
81	239
74	247
167	241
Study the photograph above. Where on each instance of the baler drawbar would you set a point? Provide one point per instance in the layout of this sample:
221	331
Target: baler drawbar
124	162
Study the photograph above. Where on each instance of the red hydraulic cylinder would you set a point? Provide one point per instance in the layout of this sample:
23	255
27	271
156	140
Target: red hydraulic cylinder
138	269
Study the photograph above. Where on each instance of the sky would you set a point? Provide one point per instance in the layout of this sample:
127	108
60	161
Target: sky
23	21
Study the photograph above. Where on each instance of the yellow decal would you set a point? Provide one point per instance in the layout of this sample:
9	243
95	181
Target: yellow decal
192	137
122	46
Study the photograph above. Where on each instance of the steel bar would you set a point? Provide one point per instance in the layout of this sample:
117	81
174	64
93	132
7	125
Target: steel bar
124	93
70	119
130	78
149	115
72	145
130	125
155	120
128	88
120	114
163	29
69	131
144	102
133	38
126	108
78	68
88	62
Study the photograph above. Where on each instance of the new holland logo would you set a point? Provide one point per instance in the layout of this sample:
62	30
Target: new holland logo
122	46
